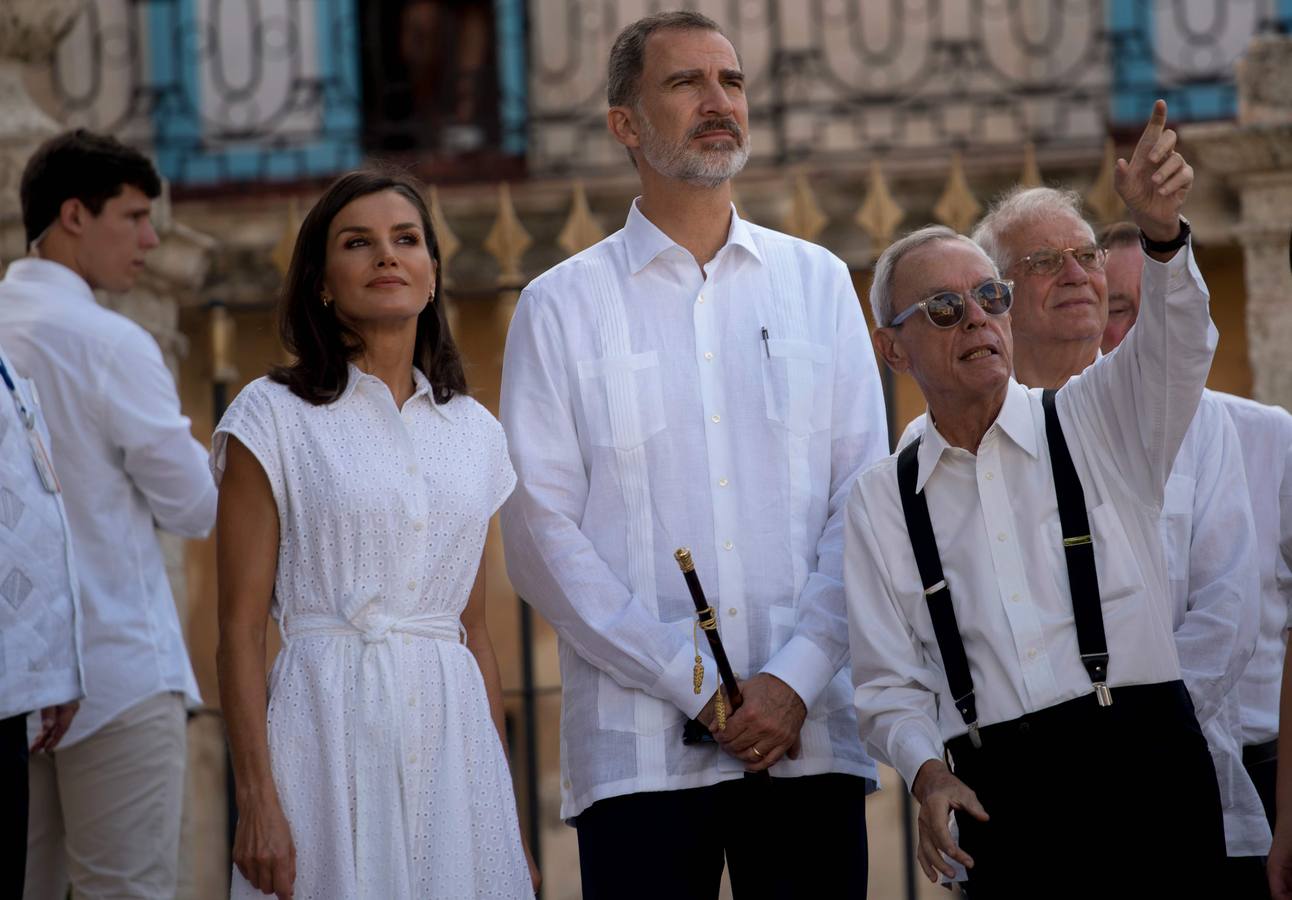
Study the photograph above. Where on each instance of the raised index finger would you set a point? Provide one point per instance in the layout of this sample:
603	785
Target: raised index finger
1152	131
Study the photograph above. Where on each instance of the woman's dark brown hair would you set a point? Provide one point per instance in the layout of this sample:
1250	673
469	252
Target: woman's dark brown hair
320	342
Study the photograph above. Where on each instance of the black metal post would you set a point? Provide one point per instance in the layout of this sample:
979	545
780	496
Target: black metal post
529	707
908	855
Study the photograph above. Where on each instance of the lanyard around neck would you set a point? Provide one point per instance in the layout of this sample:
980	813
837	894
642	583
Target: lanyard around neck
28	417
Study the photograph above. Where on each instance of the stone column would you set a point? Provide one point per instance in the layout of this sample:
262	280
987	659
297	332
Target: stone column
1254	158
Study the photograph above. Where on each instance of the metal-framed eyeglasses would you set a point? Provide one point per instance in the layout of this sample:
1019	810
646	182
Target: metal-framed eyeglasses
946	309
1049	260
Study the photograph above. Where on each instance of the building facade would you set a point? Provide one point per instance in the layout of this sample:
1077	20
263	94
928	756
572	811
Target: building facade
867	120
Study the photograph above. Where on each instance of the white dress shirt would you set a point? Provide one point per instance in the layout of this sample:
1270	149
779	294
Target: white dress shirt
40	618
1265	437
1210	547
1212	572
650	405
127	461
996	521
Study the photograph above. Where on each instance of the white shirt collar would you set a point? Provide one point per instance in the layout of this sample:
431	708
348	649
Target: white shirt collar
421	387
67	283
1014	419
645	241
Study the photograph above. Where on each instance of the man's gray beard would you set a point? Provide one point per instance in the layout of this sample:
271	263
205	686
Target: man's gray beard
702	168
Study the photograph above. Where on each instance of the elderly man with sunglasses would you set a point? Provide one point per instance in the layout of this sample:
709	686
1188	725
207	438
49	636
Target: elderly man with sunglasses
1061	300
1006	587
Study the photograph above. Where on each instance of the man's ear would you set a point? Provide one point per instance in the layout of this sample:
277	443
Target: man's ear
622	122
889	349
72	215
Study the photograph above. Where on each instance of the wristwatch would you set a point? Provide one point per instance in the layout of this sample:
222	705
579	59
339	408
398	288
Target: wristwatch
1174	244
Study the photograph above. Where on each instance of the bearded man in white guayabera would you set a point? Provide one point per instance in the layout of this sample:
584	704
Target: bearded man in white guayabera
1007	593
695	380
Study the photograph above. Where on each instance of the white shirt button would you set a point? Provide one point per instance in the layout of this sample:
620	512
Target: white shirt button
408	639
1001	536
418	526
412	585
1031	654
412	757
989	476
708	354
731	611
715	419
412	701
722	482
699	299
412	470
1014	598
728	545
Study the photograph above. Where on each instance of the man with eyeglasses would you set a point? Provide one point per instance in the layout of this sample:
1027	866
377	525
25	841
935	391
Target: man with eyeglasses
1007	593
1250	713
1039	237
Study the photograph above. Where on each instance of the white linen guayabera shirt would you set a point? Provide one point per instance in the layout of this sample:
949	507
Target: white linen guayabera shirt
646	411
40	611
996	521
128	465
1265	437
1213	574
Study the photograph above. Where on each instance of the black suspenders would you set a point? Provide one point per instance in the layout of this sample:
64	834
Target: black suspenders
1078	550
936	593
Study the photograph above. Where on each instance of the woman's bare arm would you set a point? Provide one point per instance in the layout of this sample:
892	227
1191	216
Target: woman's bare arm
246	562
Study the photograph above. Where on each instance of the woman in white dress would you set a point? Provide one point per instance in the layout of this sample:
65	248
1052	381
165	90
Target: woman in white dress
356	487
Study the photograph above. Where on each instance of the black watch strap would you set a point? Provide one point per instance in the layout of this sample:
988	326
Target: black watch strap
1167	246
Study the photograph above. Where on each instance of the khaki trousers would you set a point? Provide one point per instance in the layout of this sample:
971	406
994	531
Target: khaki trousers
105	812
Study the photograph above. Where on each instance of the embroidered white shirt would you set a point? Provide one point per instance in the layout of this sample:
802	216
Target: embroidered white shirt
1212	570
650	405
40	612
128	463
996	521
1265	437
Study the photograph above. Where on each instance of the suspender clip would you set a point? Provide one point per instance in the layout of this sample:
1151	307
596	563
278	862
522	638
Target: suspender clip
1103	694
974	737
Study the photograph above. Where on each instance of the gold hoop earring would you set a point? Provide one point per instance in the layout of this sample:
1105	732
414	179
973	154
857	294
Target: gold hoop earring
326	299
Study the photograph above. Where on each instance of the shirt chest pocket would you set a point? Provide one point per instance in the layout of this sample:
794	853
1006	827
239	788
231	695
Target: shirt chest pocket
796	385
1115	564
1177	525
623	399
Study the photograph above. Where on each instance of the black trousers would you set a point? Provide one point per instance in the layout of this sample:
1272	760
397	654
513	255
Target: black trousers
786	839
13	801
1088	801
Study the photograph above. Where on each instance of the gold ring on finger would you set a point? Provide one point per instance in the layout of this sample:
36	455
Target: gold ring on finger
756	753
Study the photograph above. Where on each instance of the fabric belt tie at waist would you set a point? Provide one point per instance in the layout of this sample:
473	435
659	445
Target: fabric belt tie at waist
376	628
383	840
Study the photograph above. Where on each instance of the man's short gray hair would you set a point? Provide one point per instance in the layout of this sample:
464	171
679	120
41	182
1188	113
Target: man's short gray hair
628	53
881	285
1018	207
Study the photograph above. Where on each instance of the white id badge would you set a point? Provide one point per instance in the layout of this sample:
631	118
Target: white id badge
961	873
48	477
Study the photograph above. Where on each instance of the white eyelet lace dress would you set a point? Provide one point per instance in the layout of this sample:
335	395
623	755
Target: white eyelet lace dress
383	751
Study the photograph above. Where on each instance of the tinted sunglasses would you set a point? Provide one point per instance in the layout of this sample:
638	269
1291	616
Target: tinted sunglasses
947	308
